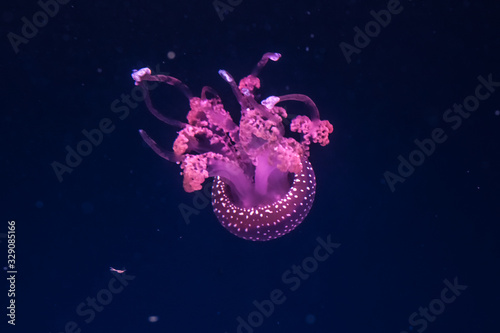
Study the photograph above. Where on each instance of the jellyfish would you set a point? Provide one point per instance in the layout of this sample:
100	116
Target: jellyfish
263	183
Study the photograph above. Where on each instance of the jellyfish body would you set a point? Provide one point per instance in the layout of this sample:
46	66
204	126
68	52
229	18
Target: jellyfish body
264	185
266	221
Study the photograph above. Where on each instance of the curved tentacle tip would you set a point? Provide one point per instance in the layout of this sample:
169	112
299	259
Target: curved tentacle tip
225	75
270	102
275	56
137	75
147	138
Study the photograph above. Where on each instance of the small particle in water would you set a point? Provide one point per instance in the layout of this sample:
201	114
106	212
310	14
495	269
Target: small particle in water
99	70
39	204
310	319
497	113
153	319
171	55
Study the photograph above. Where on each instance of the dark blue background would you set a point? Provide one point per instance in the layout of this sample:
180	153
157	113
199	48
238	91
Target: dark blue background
119	207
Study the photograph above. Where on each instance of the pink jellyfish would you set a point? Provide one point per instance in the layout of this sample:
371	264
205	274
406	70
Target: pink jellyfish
264	185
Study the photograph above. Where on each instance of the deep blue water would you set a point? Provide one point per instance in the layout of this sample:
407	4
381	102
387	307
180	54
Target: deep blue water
416	249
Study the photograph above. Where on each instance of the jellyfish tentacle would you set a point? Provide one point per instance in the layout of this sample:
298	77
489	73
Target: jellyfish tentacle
158	114
144	74
210	90
229	79
169	156
263	61
243	95
174	82
304	99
